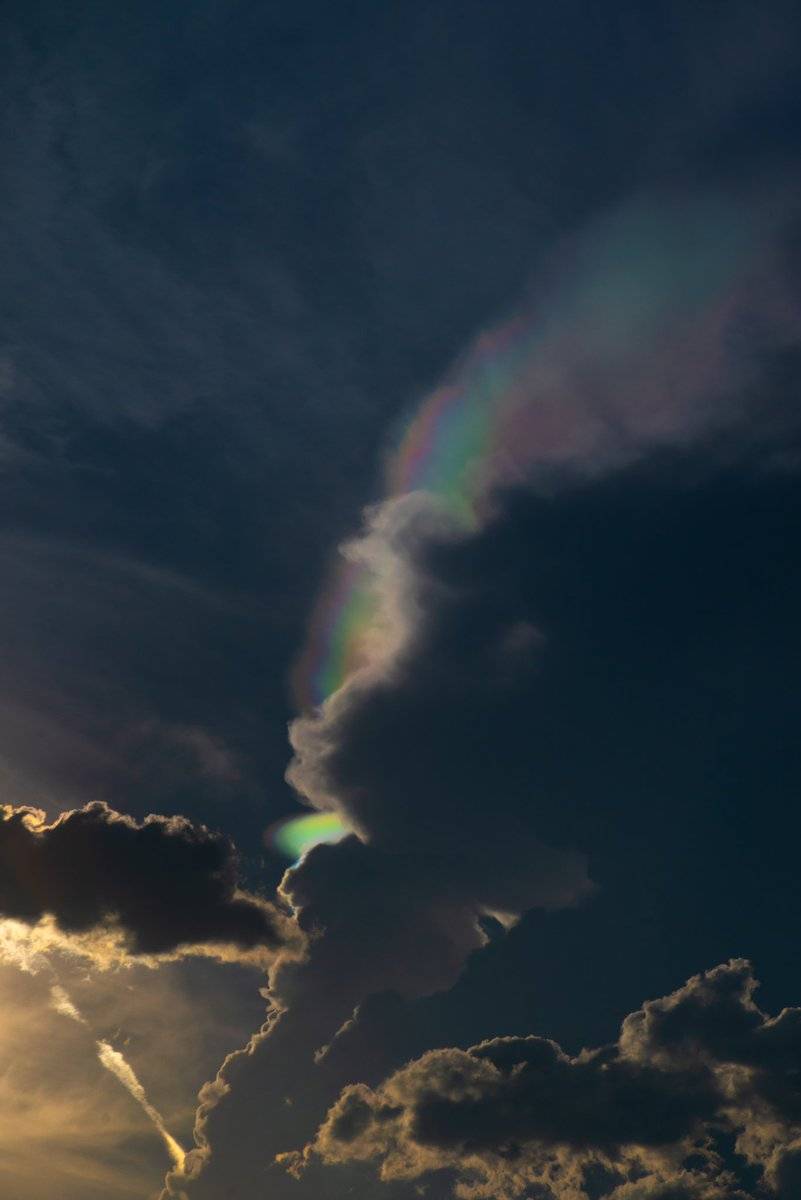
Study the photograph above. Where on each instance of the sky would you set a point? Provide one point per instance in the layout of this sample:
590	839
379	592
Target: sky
400	452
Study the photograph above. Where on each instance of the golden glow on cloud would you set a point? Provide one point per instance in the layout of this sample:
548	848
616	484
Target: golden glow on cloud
62	1004
67	1128
17	947
114	1062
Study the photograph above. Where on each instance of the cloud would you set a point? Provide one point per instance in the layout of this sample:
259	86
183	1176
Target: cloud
189	322
435	751
653	333
654	1114
373	921
66	1127
404	908
115	1062
593	733
160	886
409	744
407	920
452	754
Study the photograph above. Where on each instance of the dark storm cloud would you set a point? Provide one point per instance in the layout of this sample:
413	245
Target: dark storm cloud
452	752
483	730
652	1110
639	584
411	752
658	330
401	921
373	921
164	884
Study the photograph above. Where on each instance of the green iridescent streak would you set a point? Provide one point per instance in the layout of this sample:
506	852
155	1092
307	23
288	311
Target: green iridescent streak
299	834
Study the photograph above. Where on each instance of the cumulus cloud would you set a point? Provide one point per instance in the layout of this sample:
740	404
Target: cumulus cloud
654	332
698	1097
435	751
160	886
408	744
373	920
404	904
404	921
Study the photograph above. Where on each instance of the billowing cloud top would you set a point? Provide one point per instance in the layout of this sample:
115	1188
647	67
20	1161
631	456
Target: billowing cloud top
697	1100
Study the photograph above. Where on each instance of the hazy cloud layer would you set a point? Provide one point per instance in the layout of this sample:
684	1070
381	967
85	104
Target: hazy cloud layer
67	1127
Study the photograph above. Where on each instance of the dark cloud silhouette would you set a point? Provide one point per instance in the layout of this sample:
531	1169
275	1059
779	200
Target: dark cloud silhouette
654	1110
629	352
417	913
389	748
459	751
163	883
373	920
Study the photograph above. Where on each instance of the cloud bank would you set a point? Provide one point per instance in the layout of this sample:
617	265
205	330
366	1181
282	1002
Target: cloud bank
698	1098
